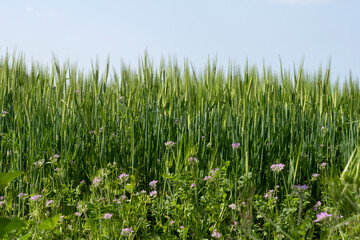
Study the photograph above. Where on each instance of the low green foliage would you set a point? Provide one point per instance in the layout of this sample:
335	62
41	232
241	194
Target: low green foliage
7	225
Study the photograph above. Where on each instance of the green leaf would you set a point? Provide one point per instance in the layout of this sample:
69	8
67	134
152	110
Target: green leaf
5	178
7	225
130	187
50	224
26	237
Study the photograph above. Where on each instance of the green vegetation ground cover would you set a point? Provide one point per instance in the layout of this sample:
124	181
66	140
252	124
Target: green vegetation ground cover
171	153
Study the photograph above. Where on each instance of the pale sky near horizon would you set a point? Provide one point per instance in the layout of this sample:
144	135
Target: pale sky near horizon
257	30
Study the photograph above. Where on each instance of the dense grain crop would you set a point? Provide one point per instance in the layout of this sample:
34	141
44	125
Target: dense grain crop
210	139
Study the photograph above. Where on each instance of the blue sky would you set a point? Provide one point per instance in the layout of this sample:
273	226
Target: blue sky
260	30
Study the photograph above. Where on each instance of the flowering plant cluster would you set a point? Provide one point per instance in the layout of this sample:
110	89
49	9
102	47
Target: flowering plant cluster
226	217
235	145
277	167
170	144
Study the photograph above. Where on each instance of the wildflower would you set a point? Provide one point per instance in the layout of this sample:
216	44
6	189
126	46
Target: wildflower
175	121
321	145
61	218
323	165
92	132
315	175
203	137
3	114
317	205
269	194
181	227
193	185
22	195
216	234
235	145
96	181
322	216
78	214
170	144
39	163
126	231
277	186
69	226
153	183
280	236
123	197
118	201
107	216
234	224
214	171
171	222
193	159
153	193
143	191
57	169
48	203
56	156
207	178
243	203
77	91
82	182
338	217
300	189
35	198
121	98
277	167
232	206
123	177
100	130
2	202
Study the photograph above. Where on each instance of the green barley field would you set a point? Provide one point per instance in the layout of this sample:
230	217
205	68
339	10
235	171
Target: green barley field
169	152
